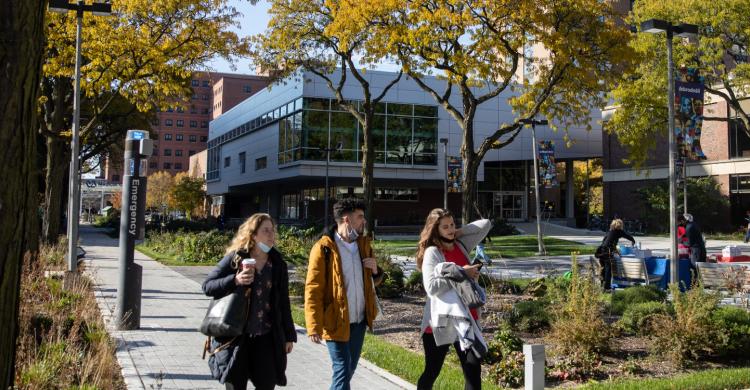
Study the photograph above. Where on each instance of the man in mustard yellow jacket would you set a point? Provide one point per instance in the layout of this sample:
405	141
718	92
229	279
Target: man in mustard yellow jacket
340	301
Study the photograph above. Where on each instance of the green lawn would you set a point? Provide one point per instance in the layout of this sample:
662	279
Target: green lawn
501	246
720	379
402	362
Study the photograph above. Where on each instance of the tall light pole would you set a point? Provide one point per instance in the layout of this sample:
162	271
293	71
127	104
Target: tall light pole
655	26
101	9
533	123
444	141
328	151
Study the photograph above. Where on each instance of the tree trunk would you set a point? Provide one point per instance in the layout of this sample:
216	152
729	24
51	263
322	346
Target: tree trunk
54	196
470	168
368	164
22	34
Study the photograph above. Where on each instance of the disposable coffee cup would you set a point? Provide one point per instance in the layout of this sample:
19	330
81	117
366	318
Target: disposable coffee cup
248	264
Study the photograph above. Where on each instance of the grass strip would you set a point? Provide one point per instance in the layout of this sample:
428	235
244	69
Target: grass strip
501	246
165	258
718	379
400	361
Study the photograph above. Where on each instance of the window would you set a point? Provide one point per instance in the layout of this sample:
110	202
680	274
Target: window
204	111
167	152
115	177
167	165
168	137
152	165
205	83
170	109
191	152
227	161
155	122
408	194
179	137
167	122
177	165
155	152
193	124
242	162
204	138
194	83
290	206
193	110
192	138
246	89
180	123
260	163
178	152
180	110
195	96
739	142
205	97
204	124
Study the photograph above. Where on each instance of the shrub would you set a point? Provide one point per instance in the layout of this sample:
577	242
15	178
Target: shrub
392	285
503	342
509	371
637	317
203	247
530	316
501	227
578	331
184	225
637	294
110	220
690	334
735	322
295	244
415	283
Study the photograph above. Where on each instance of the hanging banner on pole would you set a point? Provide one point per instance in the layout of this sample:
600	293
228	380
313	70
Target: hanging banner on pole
455	174
689	92
547	166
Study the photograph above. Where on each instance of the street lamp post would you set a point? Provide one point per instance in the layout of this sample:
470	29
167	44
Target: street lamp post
533	123
101	9
444	141
655	26
328	151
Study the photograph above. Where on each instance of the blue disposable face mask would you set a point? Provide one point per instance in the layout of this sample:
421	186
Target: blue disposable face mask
263	247
352	233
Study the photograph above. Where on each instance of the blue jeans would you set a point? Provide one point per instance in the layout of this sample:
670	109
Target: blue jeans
345	356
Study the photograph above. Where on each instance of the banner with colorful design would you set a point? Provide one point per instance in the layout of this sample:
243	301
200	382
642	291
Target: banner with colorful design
689	91
547	166
455	174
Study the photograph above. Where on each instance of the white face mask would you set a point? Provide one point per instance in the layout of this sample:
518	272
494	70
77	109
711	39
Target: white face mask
352	233
263	247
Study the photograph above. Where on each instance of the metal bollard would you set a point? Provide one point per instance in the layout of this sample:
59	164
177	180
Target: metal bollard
534	366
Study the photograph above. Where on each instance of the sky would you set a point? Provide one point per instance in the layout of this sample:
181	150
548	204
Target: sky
253	21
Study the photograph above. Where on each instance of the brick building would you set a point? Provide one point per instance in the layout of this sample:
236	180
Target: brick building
727	149
180	133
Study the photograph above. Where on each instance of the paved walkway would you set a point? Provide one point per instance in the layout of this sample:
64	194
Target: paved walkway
166	352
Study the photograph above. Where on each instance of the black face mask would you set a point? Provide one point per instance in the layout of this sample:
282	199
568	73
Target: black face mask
447	240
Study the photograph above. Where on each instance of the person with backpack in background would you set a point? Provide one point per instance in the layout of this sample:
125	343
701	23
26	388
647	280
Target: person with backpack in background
340	300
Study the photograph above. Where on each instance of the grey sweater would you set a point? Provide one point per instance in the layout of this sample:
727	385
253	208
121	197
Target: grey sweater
472	234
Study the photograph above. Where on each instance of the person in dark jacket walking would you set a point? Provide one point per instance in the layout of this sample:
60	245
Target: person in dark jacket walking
609	246
259	354
695	240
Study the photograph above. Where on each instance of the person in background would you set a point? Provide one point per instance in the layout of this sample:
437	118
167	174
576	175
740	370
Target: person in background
441	242
695	241
683	249
610	241
747	219
259	354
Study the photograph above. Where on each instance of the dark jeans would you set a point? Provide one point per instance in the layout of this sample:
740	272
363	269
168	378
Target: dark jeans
606	273
747	235
434	357
345	356
255	361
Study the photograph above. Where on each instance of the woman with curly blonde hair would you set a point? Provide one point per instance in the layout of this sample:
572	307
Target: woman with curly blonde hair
259	354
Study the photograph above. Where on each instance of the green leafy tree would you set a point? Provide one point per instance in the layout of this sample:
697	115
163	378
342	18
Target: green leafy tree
187	194
144	54
720	55
703	191
315	36
480	48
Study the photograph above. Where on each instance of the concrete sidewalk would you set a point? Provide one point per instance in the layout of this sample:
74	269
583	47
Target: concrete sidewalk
166	352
